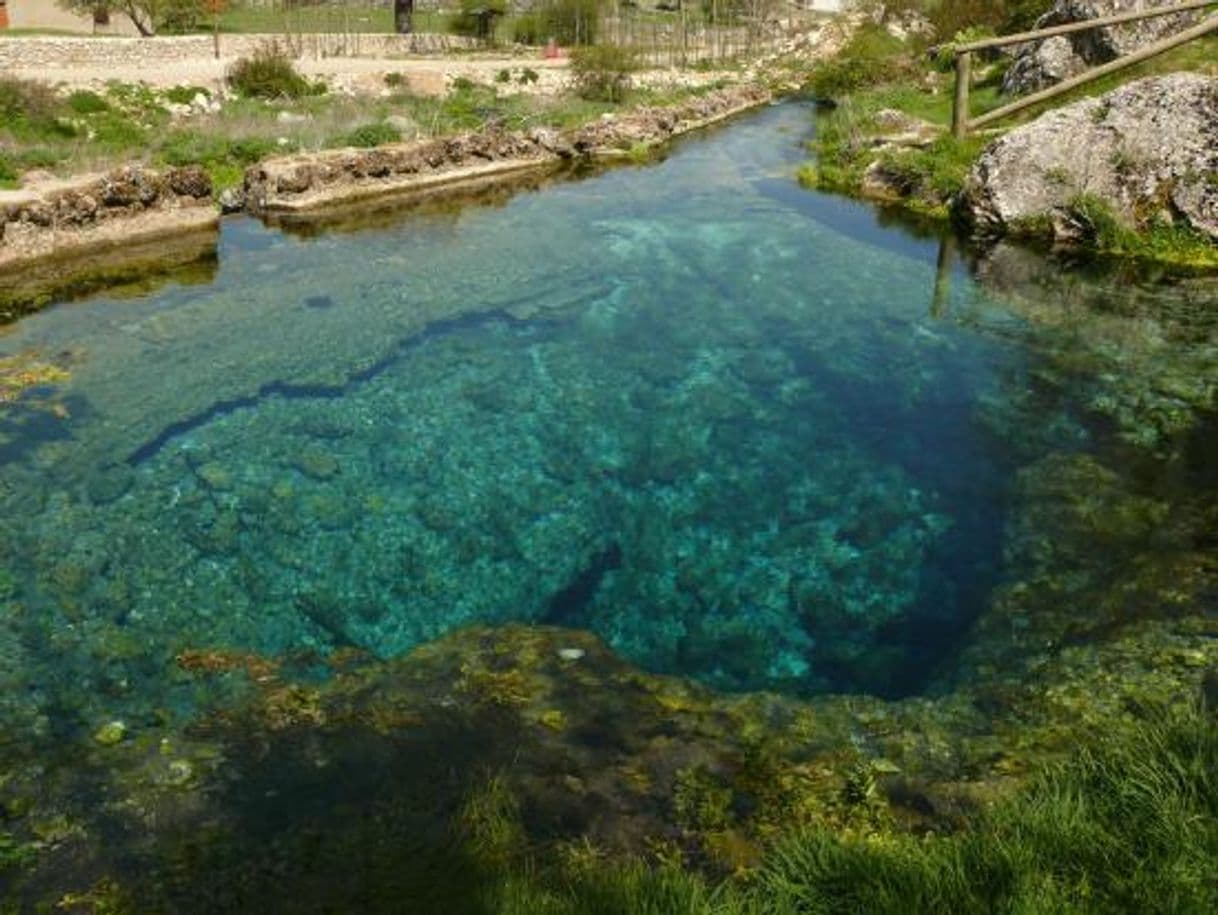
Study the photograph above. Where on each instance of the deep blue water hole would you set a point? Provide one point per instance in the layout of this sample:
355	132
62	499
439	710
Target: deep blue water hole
742	431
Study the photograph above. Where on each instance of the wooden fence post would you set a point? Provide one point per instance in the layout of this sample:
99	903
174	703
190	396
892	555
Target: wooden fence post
964	73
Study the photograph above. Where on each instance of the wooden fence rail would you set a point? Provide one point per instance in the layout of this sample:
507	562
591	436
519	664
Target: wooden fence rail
961	123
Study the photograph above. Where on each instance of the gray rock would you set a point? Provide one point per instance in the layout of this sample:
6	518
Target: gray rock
896	128
879	182
1043	63
232	200
1148	151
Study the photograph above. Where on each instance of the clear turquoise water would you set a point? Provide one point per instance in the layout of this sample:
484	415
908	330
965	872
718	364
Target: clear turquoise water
725	423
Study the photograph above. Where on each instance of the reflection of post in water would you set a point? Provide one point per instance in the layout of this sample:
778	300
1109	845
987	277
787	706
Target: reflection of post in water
943	275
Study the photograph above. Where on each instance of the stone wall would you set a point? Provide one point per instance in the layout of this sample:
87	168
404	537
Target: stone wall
24	53
65	216
307	181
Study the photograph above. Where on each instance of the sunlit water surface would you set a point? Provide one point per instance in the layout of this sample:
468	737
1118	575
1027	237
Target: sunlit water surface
743	432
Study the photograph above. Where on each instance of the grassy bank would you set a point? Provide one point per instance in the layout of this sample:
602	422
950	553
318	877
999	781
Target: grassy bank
65	134
1128	824
883	132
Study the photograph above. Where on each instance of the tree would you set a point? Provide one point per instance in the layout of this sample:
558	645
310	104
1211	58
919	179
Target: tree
403	10
148	16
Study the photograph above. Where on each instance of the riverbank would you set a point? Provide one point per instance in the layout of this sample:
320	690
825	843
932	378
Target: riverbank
50	230
882	135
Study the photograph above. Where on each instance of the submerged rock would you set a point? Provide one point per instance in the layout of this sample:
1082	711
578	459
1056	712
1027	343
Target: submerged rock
1147	152
1044	63
316	464
110	733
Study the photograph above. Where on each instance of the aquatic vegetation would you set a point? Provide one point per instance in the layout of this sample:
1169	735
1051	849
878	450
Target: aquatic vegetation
24	371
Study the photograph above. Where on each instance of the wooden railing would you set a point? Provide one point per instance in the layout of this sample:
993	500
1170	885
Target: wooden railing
962	124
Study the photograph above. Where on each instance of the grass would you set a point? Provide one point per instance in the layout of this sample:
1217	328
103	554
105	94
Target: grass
875	72
1128	824
88	131
1156	241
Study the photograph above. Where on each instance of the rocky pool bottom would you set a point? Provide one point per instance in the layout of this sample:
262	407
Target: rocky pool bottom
370	552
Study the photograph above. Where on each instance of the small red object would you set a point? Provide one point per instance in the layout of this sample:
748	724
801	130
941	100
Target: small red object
552	50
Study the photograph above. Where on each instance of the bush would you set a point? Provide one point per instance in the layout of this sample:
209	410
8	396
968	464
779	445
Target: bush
31	111
1002	16
570	22
117	132
189	147
13	164
269	74
370	135
83	101
184	95
528	28
870	58
179	17
950	17
602	72
26	99
476	18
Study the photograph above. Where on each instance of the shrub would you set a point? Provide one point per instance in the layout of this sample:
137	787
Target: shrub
12	164
528	28
952	16
30	111
269	74
602	72
190	147
395	80
184	95
178	17
571	22
83	101
370	135
26	99
116	131
870	58
476	18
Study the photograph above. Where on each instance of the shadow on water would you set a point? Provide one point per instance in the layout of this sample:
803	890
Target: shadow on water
392	797
312	819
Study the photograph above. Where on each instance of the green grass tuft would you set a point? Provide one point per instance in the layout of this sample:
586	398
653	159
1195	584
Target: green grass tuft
370	135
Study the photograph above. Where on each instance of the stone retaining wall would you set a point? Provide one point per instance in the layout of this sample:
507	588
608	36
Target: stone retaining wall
79	215
54	51
307	181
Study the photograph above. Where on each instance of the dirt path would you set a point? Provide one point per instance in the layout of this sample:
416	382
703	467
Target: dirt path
210	72
426	75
